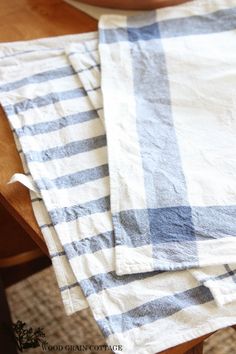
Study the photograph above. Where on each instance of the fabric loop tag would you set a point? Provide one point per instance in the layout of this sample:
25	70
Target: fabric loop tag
27	181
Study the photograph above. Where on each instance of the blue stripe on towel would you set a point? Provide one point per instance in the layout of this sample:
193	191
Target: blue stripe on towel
76	211
216	22
41	101
74	179
49	75
56	124
147	313
67	150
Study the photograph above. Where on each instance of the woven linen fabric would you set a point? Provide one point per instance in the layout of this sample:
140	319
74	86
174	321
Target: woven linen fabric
27	85
55	108
219	279
168	83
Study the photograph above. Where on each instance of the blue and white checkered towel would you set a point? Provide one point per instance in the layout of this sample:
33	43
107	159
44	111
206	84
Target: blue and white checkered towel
168	88
157	94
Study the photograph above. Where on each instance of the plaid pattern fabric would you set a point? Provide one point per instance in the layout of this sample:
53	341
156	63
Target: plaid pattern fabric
219	279
70	115
170	128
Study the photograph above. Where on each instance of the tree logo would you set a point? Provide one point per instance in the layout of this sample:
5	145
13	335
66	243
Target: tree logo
27	337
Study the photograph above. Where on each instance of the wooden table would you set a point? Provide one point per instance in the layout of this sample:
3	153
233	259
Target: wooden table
31	19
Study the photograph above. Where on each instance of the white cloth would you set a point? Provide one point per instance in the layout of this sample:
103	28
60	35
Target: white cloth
55	107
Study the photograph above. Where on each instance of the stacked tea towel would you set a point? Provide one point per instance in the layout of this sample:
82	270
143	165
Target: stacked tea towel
127	138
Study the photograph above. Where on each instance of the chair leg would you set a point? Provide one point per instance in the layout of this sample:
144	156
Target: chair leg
198	349
7	343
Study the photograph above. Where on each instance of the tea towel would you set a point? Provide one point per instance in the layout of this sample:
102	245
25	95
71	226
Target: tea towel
168	84
61	129
16	55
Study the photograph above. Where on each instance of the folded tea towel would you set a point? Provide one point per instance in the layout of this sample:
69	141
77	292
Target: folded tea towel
168	90
59	122
219	279
13	56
